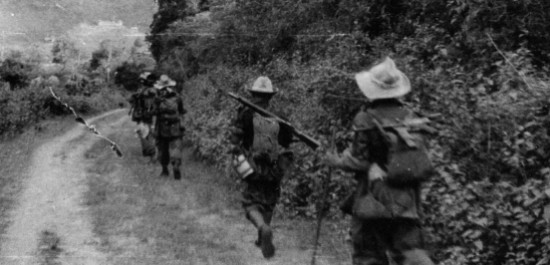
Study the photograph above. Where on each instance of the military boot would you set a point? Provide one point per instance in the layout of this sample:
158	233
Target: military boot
176	169
266	241
265	235
164	172
177	173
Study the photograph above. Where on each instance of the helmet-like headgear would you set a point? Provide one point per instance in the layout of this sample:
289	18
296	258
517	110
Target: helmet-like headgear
144	75
263	85
164	81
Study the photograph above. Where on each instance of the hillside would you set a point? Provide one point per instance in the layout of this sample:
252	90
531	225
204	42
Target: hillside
38	19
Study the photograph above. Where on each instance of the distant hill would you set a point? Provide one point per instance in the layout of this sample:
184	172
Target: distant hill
35	20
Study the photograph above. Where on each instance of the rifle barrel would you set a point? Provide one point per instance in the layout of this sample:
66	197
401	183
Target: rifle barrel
309	141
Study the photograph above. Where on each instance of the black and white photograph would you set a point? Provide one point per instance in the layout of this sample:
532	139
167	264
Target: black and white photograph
274	132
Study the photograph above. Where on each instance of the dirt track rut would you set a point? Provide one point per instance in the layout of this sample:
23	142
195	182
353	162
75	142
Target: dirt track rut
53	224
49	224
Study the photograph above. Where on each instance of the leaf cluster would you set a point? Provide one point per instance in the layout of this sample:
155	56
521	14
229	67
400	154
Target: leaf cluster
477	64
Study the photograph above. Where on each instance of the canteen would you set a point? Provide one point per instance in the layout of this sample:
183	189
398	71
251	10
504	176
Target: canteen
242	166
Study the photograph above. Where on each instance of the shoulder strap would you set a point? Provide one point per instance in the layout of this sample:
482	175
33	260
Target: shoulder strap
401	128
378	125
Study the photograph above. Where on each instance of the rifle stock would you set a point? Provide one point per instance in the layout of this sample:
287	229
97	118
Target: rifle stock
308	140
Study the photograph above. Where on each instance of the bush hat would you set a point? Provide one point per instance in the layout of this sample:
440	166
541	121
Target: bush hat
383	80
164	81
144	75
263	85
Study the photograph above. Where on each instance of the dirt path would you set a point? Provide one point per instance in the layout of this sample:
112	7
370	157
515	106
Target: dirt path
49	225
82	205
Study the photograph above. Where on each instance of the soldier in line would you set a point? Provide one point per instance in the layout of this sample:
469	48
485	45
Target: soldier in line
262	142
385	207
142	103
168	126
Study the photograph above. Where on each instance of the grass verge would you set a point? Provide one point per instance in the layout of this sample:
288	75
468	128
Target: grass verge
142	218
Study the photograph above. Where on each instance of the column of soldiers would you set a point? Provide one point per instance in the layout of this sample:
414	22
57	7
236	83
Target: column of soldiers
158	110
388	155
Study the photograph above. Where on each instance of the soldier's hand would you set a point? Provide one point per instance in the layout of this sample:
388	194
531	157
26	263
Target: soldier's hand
331	159
375	172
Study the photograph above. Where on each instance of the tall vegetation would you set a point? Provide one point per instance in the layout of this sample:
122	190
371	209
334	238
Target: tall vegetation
479	65
26	76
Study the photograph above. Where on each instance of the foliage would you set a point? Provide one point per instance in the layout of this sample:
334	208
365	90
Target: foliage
477	64
15	72
104	55
63	50
168	11
32	74
127	75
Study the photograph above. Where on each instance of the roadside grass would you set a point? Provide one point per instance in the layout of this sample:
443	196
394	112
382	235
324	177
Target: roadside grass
142	218
15	152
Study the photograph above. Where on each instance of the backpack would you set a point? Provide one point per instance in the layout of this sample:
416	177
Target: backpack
408	162
142	105
266	133
168	119
137	109
148	102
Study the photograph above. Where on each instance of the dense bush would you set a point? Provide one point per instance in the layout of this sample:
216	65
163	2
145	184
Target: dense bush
478	65
29	99
127	75
15	73
168	12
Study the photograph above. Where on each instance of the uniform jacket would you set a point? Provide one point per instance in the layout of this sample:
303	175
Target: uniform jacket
367	148
143	103
169	113
242	137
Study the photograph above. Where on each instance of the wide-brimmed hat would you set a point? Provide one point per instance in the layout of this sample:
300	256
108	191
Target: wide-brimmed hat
144	75
164	81
263	85
383	80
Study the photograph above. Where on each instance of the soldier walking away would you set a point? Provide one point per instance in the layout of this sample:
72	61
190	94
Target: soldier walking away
262	143
168	126
388	154
142	104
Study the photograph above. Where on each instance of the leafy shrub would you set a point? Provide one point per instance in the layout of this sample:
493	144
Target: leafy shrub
477	64
127	75
15	72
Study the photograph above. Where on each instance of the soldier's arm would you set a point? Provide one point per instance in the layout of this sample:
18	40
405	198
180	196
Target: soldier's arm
132	100
354	158
154	111
285	137
236	130
181	109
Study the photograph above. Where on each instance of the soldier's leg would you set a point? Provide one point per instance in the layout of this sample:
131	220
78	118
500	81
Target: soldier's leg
409	243
253	198
271	193
366	244
147	141
176	150
268	215
152	142
265	234
255	216
164	155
